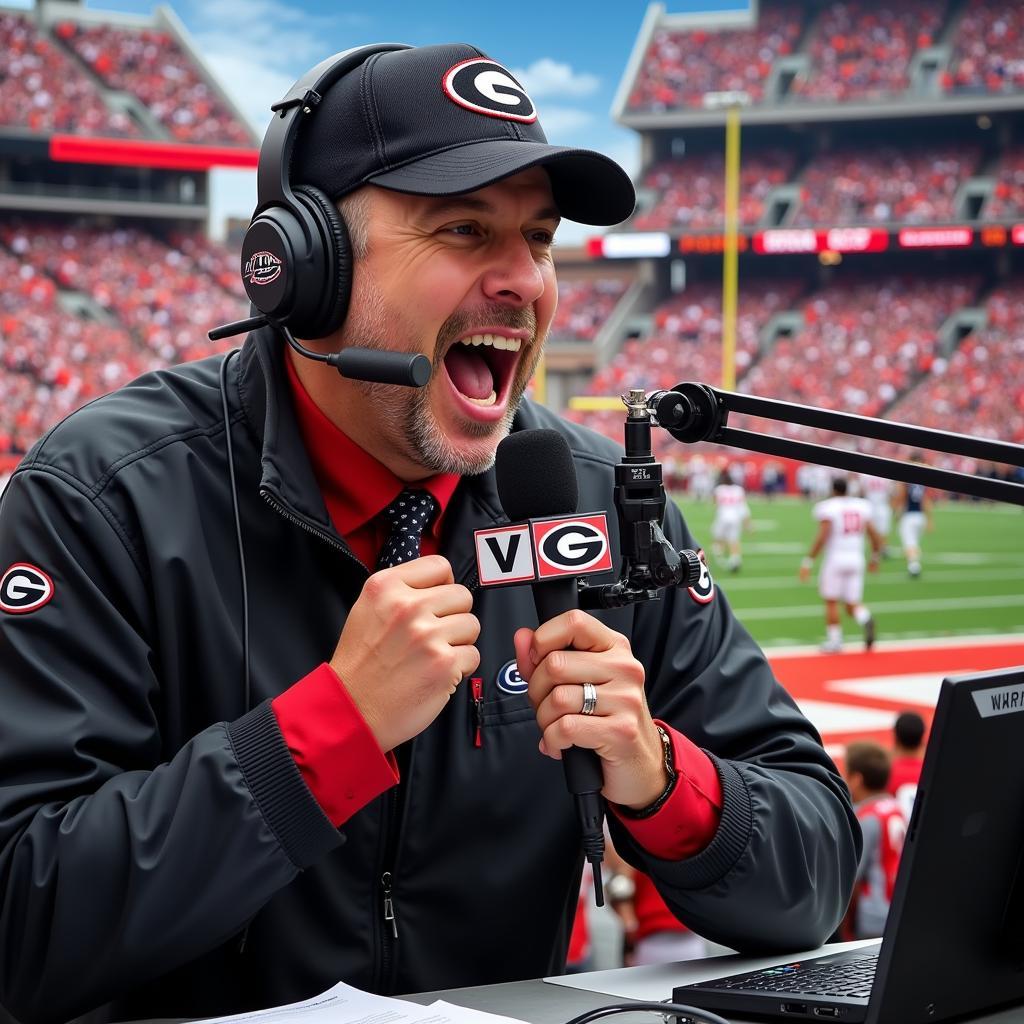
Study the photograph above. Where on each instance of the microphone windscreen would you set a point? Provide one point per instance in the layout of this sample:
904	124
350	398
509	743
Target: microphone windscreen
536	475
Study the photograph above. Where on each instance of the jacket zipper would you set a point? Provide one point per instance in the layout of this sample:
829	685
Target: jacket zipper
392	823
308	527
389	931
477	692
389	905
389	935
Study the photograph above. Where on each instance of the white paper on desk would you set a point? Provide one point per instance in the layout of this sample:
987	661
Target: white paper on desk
655	982
464	1015
344	1004
341	1004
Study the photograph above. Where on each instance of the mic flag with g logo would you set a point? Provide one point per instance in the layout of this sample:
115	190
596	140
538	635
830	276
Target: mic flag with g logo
543	549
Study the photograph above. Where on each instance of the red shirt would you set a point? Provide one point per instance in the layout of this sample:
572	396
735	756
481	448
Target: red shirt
905	771
322	727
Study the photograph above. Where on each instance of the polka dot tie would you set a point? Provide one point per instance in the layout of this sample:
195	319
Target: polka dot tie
408	516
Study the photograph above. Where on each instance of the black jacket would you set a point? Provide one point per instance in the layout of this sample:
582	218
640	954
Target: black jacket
159	851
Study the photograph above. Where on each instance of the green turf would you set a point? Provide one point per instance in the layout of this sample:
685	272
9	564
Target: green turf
972	583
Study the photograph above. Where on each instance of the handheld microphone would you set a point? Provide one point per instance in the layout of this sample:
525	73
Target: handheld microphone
536	477
380	366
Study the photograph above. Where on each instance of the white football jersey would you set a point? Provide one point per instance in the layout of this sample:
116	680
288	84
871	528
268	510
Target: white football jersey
875	489
849	518
731	502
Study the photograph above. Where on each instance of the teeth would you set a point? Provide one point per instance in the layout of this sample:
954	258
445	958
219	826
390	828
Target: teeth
494	341
489	400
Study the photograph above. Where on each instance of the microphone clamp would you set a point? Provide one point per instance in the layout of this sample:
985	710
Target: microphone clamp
650	562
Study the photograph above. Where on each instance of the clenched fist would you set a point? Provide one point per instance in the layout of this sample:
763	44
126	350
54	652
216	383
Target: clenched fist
407	644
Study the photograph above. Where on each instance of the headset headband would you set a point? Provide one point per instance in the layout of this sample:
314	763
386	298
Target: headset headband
272	185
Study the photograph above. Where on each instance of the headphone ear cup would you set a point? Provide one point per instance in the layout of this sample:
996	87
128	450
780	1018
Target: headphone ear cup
333	308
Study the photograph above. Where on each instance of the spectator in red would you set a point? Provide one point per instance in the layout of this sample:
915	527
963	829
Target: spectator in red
884	826
907	759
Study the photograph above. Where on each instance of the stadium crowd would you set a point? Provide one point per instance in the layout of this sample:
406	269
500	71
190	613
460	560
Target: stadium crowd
155	303
685	344
160	294
691	190
50	362
680	67
1008	197
852	185
862	50
584	304
152	65
980	389
857	50
863	344
43	89
988	53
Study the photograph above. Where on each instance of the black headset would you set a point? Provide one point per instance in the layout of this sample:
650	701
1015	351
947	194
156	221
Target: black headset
297	271
296	257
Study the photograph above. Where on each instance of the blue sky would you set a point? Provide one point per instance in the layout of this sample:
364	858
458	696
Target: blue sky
570	53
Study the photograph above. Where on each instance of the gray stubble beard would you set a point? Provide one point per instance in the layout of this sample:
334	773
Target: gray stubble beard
419	438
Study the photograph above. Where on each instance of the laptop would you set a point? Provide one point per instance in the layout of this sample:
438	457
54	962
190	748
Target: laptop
954	939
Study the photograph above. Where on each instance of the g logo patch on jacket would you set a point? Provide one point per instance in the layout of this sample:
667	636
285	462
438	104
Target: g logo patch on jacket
703	591
509	680
24	588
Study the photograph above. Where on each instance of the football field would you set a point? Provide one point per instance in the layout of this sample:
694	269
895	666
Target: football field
972	582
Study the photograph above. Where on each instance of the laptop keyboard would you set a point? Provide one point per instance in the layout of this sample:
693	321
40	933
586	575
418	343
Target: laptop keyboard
839	978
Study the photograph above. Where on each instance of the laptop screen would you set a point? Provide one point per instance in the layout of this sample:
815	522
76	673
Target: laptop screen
954	939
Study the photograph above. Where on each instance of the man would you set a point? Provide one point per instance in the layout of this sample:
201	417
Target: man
842	523
732	513
193	823
907	759
884	827
914	505
878	492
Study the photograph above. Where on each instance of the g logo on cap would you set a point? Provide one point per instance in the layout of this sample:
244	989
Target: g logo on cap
485	87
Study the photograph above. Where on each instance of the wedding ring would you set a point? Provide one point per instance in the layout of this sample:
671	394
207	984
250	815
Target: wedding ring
589	699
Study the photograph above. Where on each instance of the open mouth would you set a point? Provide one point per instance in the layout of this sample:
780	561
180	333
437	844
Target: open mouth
481	368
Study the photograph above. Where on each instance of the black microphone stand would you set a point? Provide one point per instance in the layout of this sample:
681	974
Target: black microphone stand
696	412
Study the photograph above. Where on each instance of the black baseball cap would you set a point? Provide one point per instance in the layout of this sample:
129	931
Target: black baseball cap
444	120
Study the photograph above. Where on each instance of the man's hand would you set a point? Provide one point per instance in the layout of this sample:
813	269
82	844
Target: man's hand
406	646
621	729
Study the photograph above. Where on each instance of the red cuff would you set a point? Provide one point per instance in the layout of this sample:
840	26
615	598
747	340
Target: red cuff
687	821
335	751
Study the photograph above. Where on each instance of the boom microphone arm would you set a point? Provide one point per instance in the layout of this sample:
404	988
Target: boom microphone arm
693	412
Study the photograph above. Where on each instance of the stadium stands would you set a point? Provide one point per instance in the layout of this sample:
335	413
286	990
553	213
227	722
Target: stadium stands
869	341
862	49
583	306
679	68
685	344
886	185
692	190
50	362
1008	199
865	341
156	291
152	65
156	301
44	90
980	388
988	53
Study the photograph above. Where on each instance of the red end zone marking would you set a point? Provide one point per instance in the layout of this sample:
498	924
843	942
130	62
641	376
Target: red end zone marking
813	678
